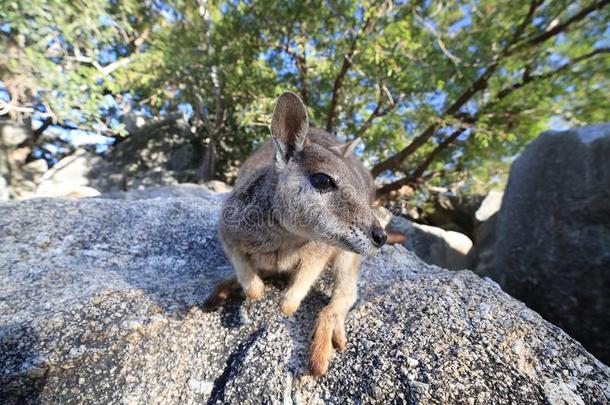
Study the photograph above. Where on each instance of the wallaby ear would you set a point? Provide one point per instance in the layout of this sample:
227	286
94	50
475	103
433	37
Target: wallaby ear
347	148
289	126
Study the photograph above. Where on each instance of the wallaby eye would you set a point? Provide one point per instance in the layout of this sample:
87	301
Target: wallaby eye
322	182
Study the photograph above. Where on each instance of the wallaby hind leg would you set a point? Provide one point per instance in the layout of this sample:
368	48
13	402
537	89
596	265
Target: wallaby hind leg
306	274
330	325
224	291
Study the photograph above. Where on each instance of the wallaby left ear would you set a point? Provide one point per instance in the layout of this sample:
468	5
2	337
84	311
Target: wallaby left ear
289	126
347	148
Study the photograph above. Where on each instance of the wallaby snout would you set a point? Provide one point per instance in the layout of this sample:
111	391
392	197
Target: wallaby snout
378	236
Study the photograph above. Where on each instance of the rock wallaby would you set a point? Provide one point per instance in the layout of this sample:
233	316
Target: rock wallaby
301	203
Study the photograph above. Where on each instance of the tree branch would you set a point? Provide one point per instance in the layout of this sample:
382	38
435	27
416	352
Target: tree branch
559	28
534	4
471	119
30	142
480	84
300	61
338	83
378	111
483	81
417	173
105	70
534	78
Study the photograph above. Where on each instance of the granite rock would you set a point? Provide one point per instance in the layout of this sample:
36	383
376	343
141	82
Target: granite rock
100	302
552	246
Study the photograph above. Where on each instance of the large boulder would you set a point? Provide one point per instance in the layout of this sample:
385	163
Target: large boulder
553	233
71	176
180	190
161	152
99	302
452	211
448	249
485	232
12	134
4	192
490	206
19	177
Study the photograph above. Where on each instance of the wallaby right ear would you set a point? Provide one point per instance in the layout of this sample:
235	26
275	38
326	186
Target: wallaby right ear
289	126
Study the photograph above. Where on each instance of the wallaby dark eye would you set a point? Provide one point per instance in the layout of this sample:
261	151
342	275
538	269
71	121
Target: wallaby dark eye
322	182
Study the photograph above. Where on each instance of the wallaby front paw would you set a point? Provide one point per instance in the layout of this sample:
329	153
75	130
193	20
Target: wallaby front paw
255	289
288	306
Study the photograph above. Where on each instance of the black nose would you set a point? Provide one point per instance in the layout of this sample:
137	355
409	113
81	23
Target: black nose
378	236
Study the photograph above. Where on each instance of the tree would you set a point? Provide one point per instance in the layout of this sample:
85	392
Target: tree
195	61
539	49
58	60
434	88
441	93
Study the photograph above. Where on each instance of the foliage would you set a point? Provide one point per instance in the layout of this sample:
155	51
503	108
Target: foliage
442	93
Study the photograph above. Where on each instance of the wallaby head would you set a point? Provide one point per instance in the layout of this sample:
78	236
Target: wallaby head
323	192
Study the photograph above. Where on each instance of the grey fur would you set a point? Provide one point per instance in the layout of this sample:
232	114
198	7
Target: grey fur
272	203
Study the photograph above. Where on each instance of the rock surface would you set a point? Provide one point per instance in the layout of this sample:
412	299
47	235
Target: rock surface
71	176
180	190
4	193
553	233
20	178
159	153
485	233
99	302
448	249
490	205
453	211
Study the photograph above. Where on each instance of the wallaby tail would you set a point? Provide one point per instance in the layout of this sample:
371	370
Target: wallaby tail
226	289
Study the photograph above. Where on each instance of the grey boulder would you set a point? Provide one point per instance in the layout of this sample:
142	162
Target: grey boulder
100	303
485	233
552	245
448	249
4	194
70	177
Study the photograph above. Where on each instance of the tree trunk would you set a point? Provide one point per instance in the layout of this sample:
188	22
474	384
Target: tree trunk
208	160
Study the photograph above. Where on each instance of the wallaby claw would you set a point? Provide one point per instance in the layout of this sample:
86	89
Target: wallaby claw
288	307
339	341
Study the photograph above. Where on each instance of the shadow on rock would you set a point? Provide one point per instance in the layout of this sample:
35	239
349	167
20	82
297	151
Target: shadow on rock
22	375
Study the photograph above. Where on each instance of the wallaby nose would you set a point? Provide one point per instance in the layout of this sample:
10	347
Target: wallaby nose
378	236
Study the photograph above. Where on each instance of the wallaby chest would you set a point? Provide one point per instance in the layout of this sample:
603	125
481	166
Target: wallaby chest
289	255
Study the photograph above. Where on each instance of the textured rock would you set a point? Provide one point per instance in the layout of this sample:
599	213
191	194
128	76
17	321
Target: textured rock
4	193
218	186
20	177
485	232
453	211
553	233
448	249
490	205
70	177
99	303
13	134
160	152
485	246
181	190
